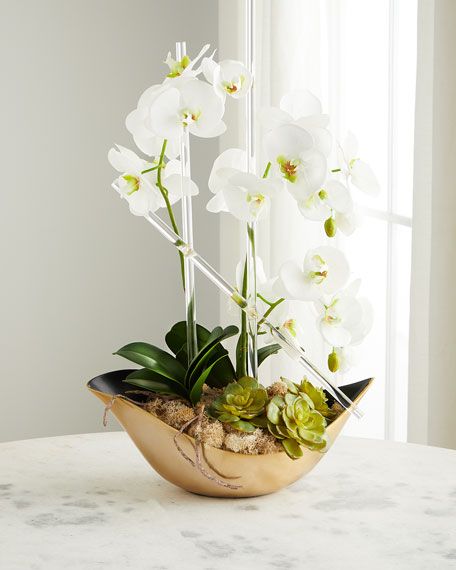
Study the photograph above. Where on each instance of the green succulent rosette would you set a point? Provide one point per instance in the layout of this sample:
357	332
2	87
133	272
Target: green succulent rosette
294	420
317	395
241	401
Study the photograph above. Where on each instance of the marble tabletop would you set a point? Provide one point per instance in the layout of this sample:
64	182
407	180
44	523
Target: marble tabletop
91	501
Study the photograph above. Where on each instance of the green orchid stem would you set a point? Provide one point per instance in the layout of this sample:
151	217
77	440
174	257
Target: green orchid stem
164	193
152	169
264	299
252	324
268	168
242	348
272	306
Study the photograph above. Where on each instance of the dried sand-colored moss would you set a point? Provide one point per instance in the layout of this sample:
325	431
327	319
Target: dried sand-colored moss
177	413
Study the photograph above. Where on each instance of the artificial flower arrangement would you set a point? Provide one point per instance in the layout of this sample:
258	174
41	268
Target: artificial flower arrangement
200	391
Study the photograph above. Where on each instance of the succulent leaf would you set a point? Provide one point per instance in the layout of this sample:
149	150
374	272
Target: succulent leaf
317	395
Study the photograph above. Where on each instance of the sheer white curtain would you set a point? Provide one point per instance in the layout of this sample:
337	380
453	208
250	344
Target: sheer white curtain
359	58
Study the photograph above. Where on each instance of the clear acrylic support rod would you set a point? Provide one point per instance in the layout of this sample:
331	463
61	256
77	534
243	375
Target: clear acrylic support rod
295	352
252	321
187	230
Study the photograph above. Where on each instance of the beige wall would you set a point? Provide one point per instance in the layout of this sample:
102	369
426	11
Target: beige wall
80	276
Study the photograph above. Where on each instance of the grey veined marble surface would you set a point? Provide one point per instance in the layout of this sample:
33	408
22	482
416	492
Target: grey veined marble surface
91	501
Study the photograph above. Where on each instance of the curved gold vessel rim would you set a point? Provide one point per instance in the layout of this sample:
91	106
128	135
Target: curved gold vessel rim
139	409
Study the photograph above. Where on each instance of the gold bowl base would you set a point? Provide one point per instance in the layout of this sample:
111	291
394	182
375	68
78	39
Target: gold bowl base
255	474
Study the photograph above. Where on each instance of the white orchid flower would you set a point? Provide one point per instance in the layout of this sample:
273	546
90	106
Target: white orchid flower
334	197
333	202
344	320
360	173
138	122
228	77
303	109
186	66
290	150
281	316
246	196
325	270
192	104
139	187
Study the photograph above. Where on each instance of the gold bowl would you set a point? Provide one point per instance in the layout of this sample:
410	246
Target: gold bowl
254	474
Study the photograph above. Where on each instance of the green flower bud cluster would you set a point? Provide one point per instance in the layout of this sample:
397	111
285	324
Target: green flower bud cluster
242	400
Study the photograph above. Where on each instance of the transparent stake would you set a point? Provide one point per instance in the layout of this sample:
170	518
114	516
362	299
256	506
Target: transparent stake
252	321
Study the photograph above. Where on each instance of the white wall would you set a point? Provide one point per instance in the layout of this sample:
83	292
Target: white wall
432	418
80	276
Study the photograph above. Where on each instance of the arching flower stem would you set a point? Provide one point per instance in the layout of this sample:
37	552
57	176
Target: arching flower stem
164	193
272	306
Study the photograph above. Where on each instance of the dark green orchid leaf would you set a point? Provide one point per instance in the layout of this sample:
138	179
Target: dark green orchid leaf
176	340
222	373
153	358
266	351
197	389
150	380
201	360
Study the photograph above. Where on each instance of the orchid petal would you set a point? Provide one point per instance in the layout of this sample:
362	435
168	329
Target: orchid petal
125	160
287	140
300	104
217	204
338	197
164	114
294	283
364	326
350	147
178	187
363	177
233	158
272	117
313	208
208	67
335	335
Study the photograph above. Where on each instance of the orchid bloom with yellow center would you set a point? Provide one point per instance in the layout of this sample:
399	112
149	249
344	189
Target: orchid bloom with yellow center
137	182
345	319
228	77
246	196
325	270
290	149
188	104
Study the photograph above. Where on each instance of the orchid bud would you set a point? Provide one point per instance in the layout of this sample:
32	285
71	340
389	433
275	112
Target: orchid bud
330	227
333	361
